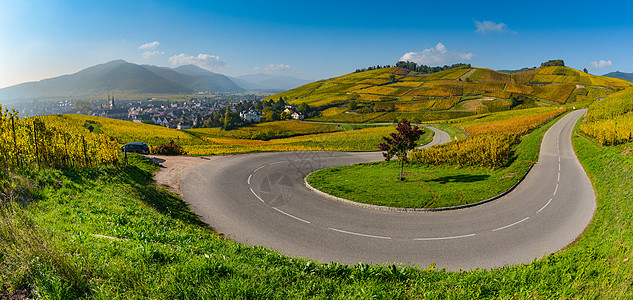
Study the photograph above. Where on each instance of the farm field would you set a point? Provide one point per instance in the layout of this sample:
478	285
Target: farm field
272	136
610	121
267	130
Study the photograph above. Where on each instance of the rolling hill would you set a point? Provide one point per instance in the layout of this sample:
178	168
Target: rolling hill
393	93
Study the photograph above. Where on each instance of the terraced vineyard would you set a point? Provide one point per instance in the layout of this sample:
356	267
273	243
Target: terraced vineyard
391	94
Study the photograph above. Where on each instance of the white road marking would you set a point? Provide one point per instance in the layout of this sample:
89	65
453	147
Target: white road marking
258	169
249	179
558	167
360	234
289	215
515	223
260	199
556	190
546	204
444	238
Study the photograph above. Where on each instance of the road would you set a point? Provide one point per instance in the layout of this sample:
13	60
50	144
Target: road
260	199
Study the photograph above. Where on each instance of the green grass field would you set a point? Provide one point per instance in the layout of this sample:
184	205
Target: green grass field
266	130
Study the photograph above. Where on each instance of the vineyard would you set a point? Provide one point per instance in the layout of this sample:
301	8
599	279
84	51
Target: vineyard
545	86
516	125
51	142
489	150
610	121
491	140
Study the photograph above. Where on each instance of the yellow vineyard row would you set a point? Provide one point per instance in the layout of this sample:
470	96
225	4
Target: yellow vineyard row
48	142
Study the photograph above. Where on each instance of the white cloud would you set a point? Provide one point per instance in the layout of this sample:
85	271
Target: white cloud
489	26
205	61
602	64
273	68
148	54
438	55
149	46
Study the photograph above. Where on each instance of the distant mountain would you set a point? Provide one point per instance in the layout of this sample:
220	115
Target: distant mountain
197	79
119	76
265	82
621	75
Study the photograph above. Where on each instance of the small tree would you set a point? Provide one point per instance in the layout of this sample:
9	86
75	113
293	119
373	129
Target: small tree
400	143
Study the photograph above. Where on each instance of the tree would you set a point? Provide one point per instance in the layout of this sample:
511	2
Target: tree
585	70
304	108
553	63
400	143
231	119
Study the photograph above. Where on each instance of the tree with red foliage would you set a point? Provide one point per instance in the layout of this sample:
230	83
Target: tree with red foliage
400	143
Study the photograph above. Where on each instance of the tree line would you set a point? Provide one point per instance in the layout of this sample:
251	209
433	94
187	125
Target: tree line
409	65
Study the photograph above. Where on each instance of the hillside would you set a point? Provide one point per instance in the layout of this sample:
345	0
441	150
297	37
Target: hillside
393	93
120	76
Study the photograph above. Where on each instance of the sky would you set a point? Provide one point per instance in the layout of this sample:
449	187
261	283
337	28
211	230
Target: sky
310	39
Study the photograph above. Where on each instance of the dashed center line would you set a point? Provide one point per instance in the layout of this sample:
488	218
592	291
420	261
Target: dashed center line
289	215
360	234
556	190
515	223
544	206
445	238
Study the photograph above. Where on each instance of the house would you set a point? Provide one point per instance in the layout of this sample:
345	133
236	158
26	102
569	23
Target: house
183	126
297	116
251	116
156	120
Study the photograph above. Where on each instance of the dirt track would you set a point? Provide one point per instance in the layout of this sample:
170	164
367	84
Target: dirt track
173	169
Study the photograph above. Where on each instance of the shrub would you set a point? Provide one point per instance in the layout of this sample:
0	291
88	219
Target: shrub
170	148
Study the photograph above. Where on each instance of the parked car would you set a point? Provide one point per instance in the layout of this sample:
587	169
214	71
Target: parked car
139	147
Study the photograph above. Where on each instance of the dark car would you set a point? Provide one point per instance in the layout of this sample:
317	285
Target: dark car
139	147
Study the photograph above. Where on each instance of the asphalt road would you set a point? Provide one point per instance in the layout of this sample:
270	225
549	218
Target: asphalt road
260	199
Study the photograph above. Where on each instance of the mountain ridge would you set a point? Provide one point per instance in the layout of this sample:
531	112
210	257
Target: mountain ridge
621	75
120	76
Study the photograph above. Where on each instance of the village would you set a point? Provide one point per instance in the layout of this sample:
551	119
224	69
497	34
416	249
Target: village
193	113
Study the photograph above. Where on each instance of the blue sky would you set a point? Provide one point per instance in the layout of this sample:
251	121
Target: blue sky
310	40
